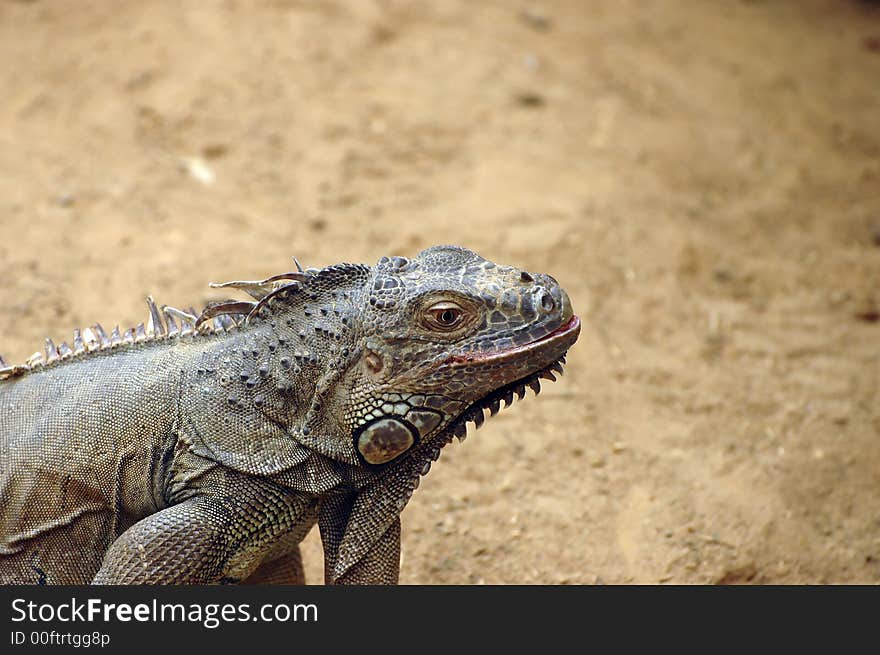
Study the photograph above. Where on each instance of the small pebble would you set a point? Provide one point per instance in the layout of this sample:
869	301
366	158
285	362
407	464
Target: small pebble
874	230
66	200
535	19
530	99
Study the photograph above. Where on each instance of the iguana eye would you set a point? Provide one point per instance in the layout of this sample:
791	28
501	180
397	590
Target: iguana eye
444	316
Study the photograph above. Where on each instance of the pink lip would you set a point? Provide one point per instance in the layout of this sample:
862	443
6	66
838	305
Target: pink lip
571	328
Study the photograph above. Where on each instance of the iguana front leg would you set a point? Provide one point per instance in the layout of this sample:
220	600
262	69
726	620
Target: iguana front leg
368	557
379	565
205	539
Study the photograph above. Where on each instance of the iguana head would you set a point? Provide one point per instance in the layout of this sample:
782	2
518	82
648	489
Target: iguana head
444	336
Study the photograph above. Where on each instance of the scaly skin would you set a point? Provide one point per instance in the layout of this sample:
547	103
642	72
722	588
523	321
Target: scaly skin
204	453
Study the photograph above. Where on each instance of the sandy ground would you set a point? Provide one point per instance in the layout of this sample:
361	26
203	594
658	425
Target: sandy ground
703	178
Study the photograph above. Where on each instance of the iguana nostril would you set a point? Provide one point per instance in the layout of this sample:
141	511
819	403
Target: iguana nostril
547	303
525	277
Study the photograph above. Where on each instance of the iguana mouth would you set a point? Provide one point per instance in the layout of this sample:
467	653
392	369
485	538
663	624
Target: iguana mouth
567	332
558	341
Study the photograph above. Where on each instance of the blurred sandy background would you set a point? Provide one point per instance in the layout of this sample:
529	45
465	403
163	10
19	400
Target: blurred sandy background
703	178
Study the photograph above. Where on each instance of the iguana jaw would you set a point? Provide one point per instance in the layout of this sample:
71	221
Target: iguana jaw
538	360
514	366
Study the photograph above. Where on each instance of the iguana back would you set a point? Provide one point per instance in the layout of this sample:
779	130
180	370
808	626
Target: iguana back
82	451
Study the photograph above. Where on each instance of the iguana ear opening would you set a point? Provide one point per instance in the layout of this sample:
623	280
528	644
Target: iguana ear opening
373	362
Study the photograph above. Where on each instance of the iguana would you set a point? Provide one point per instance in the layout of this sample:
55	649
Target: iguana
202	448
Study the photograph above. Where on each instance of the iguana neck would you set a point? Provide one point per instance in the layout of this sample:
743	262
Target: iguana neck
287	369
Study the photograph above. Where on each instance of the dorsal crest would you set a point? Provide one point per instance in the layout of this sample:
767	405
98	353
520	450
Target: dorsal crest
165	323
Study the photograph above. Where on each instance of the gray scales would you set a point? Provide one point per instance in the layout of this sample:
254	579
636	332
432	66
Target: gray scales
203	447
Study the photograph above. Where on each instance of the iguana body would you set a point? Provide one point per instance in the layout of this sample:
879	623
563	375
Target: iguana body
203	450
